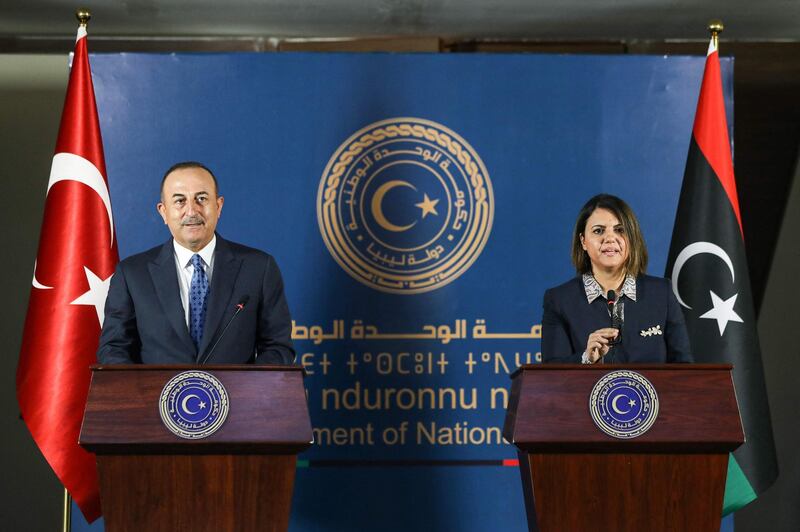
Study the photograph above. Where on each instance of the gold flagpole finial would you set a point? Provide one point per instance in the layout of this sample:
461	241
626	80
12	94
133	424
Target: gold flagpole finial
715	27
83	15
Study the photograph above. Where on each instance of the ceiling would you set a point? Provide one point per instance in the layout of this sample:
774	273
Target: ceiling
764	20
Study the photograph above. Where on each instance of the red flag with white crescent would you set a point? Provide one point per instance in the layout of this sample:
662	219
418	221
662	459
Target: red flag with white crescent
76	258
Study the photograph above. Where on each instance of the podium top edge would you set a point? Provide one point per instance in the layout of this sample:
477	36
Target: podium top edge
190	367
614	367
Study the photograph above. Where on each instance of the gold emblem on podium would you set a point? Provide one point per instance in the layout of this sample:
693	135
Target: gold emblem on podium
405	205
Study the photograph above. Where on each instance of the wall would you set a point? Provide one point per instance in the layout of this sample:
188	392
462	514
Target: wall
31	96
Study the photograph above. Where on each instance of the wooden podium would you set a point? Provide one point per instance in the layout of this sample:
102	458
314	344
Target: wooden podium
239	478
575	477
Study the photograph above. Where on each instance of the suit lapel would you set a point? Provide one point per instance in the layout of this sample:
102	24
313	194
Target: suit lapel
220	304
165	281
596	311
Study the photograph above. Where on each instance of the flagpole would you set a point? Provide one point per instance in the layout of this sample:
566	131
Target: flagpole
83	15
67	524
715	27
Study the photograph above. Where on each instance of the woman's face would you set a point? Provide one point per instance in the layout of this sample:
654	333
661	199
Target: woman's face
605	241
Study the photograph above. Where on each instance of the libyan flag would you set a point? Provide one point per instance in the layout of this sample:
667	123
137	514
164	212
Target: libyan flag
708	268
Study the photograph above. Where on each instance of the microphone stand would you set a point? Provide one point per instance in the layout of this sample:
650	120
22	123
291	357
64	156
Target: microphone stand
239	307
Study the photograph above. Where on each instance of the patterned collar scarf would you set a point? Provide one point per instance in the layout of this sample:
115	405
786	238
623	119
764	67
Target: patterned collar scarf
594	290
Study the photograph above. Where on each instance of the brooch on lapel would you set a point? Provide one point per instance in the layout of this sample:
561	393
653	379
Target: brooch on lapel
652	331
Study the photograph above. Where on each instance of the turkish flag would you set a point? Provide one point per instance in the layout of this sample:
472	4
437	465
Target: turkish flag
76	258
708	268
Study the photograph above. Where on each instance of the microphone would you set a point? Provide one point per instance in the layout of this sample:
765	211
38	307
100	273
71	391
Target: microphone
239	307
617	312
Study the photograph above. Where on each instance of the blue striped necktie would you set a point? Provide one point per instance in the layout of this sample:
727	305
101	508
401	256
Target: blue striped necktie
198	300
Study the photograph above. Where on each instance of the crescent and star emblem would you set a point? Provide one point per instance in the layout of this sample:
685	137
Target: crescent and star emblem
185	404
616	408
427	206
371	189
722	310
193	405
71	167
623	404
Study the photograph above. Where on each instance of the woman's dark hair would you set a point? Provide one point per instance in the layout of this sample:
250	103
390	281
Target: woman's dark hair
636	264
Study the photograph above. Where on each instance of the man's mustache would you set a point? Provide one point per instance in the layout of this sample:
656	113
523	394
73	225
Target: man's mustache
192	220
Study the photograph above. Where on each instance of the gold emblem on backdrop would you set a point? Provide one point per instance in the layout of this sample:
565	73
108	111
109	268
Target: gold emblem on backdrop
405	205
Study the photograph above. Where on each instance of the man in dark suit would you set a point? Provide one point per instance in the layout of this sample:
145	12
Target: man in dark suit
171	304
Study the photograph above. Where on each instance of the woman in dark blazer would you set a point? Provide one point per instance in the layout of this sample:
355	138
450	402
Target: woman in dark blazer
609	253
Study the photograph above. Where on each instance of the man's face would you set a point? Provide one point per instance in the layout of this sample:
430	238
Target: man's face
190	207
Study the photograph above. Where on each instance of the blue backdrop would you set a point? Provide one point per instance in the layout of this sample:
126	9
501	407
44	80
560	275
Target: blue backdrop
418	206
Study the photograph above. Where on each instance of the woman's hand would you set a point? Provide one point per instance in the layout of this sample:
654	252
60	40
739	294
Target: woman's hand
598	344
